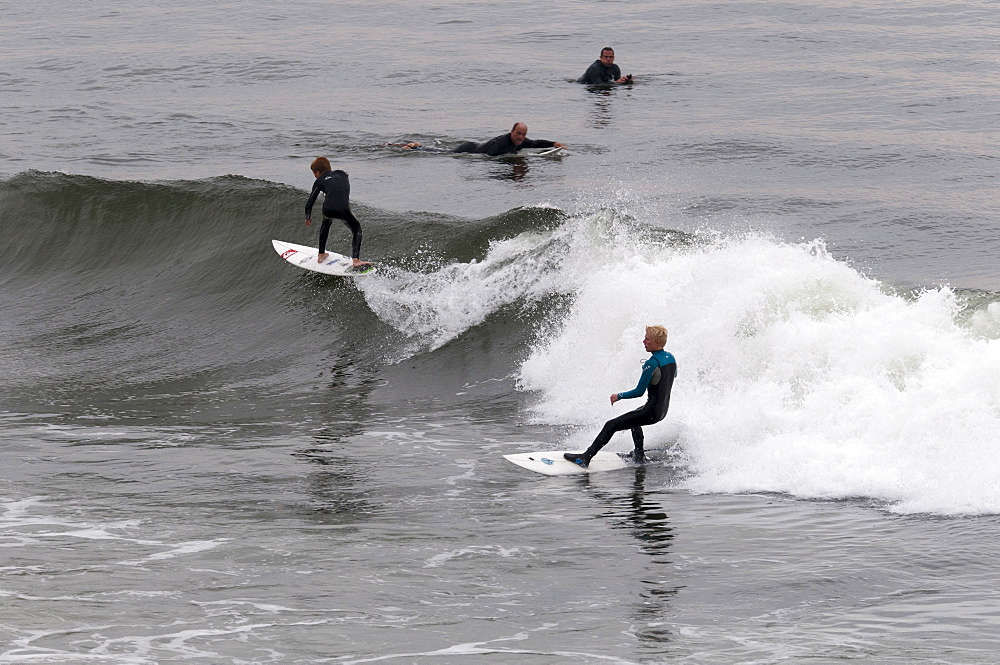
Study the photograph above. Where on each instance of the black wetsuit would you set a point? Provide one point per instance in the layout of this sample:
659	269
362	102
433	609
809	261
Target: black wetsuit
598	73
657	379
502	145
336	188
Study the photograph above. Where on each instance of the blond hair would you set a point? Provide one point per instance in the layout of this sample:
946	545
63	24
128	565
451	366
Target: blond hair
658	334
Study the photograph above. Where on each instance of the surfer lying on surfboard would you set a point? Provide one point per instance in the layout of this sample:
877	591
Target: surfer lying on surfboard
336	188
656	380
504	144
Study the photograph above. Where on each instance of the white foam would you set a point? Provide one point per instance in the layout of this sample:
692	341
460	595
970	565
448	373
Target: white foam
797	374
436	308
472	550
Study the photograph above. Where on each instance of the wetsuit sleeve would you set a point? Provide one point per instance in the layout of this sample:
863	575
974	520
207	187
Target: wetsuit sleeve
647	374
592	75
312	199
537	143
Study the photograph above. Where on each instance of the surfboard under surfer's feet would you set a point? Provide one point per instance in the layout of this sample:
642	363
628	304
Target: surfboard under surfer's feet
361	267
635	457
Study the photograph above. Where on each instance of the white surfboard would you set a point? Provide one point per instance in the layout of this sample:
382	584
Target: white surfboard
552	462
546	152
305	257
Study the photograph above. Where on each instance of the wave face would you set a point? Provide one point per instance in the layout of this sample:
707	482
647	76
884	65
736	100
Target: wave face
798	374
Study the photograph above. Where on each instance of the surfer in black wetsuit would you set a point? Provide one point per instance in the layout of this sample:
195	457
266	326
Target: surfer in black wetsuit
336	188
511	142
604	70
504	144
657	379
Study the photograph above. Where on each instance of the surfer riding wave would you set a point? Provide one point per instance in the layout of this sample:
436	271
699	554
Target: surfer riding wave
336	187
656	380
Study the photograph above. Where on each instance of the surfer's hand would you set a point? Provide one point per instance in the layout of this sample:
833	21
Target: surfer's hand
614	398
308	222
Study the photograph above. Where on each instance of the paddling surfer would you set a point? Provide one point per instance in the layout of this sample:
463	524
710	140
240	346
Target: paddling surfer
656	380
336	188
505	144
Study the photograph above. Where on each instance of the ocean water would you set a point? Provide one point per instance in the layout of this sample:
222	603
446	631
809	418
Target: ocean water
210	456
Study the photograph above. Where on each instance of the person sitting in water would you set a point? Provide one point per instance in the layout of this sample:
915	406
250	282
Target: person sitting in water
604	70
656	380
505	144
336	188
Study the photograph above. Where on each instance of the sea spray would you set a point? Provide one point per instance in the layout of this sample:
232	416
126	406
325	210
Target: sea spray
435	307
797	375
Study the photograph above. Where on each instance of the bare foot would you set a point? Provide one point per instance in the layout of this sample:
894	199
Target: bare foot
322	257
358	263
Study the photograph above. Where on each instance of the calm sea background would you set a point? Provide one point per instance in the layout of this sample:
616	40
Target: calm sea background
211	457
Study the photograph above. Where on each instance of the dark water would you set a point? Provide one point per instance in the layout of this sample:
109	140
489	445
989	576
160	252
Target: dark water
212	457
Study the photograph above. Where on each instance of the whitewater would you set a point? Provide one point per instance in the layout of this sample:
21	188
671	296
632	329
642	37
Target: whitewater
212	457
800	374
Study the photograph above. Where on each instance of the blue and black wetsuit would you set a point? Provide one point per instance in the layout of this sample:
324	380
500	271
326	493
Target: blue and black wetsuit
336	187
657	379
